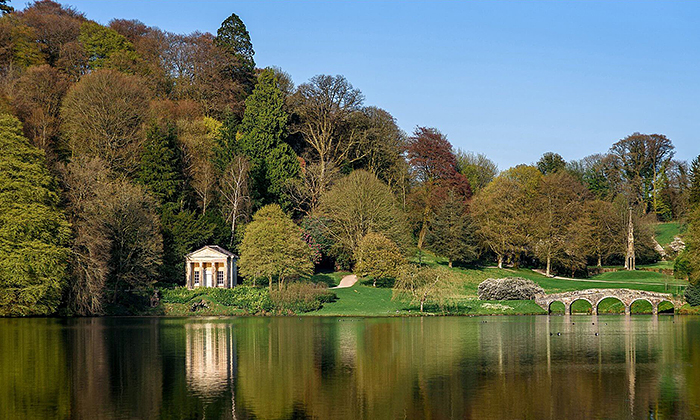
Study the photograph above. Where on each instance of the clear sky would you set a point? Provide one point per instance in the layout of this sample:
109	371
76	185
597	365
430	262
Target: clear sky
511	79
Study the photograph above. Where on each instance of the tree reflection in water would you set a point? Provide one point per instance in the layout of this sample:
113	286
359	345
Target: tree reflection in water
282	368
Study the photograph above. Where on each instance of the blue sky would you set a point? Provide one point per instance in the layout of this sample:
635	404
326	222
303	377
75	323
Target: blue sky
511	79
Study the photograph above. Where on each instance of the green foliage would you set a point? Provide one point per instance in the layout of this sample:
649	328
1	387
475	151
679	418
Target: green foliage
478	169
263	129
273	248
301	297
233	37
251	299
692	250
378	257
692	295
421	285
356	205
105	46
451	232
694	192
34	232
282	166
681	266
161	164
183	231
550	163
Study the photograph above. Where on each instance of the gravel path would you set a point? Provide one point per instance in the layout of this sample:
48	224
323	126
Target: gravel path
346	281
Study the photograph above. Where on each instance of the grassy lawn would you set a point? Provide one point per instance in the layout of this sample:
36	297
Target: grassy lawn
666	265
330	278
665	232
364	300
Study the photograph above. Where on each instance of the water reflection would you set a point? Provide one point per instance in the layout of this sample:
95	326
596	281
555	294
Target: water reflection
283	368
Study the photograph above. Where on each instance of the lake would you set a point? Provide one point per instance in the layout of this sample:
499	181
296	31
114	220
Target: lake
508	367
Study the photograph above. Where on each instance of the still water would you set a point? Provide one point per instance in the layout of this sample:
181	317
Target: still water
351	368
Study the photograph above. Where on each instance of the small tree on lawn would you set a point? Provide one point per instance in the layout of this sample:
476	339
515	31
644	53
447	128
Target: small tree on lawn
377	257
418	285
273	248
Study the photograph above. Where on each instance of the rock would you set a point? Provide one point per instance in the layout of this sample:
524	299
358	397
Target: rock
510	288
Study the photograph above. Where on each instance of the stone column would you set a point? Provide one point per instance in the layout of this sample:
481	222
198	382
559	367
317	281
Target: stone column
655	308
594	309
628	309
567	308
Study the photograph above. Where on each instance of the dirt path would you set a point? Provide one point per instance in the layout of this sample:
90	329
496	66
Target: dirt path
346	281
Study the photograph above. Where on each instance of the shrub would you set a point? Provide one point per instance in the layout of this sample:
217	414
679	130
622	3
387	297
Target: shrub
692	295
301	297
248	298
511	288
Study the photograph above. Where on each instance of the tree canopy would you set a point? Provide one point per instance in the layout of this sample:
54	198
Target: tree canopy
34	233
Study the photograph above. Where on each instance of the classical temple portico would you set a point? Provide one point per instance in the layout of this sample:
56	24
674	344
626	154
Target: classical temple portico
211	266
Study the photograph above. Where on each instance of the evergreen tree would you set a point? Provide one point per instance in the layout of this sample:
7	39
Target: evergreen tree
694	193
451	233
233	37
160	164
263	129
33	230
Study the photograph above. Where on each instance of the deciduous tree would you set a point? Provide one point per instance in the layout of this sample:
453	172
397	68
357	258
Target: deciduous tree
273	248
324	106
357	205
103	116
378	257
421	285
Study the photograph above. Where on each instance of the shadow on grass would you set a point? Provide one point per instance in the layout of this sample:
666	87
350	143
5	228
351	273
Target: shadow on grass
383	283
324	278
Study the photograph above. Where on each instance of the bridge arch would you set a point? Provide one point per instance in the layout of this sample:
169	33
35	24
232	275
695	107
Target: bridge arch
610	298
639	300
664	309
595	296
585	299
559	302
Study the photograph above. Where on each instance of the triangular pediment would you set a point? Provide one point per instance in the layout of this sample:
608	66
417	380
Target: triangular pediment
210	252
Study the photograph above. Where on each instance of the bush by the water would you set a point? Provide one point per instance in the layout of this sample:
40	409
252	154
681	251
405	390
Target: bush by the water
293	298
692	295
510	288
301	297
251	299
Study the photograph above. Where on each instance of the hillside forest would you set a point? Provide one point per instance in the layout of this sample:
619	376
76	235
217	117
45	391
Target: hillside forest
125	147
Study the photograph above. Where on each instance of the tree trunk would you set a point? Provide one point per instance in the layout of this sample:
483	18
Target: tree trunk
421	305
500	261
549	265
600	260
449	263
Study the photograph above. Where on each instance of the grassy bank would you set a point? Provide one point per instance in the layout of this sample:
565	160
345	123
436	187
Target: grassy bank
364	300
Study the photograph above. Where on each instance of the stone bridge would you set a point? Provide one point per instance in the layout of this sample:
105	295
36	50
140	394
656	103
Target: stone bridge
594	296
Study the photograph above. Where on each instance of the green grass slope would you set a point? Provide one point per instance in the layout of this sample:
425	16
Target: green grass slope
665	232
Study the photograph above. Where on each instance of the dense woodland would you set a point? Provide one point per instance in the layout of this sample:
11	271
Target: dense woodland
126	147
